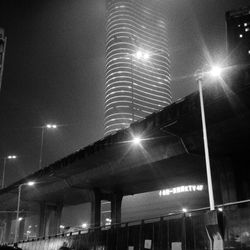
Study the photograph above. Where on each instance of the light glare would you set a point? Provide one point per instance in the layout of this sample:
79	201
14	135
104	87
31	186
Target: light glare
84	225
139	54
49	126
184	210
11	157
216	71
137	140
31	183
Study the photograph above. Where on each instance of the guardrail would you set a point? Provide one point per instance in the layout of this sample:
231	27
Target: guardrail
186	231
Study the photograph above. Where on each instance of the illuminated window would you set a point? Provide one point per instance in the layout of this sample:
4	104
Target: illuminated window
245	24
247	29
240	35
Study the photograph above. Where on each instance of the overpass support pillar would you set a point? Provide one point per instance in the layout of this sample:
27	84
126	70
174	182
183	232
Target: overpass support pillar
96	208
7	227
41	232
50	218
21	229
116	203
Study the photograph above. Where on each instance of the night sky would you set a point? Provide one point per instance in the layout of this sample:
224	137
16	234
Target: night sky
54	70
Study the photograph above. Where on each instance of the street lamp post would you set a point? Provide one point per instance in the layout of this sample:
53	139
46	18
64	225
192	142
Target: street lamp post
3	42
30	183
200	74
47	126
4	167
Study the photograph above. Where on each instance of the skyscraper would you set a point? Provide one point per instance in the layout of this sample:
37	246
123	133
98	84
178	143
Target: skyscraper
137	62
238	36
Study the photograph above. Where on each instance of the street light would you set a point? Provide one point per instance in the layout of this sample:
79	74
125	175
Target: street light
3	42
47	126
215	71
9	157
30	183
136	140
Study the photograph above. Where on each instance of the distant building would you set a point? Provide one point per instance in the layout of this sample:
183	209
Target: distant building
238	36
137	62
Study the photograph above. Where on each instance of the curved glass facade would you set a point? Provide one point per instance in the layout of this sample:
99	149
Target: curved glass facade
137	63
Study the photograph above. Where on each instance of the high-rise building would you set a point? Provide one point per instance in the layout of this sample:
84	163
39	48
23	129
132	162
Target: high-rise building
238	36
137	62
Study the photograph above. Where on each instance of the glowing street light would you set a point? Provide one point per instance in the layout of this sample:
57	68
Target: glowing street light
184	210
215	71
18	219
47	126
136	140
9	157
84	225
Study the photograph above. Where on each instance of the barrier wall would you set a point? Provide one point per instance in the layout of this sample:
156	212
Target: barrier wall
180	231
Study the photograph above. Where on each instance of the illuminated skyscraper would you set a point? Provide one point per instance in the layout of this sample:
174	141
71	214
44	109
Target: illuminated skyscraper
238	36
137	62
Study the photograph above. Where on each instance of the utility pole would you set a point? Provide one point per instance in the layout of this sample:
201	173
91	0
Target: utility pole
3	41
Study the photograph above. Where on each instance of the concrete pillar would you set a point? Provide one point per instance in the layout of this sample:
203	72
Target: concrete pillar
50	218
42	212
116	202
95	208
214	232
21	228
58	216
8	227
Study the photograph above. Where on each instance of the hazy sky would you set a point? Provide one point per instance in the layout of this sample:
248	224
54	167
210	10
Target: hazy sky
54	70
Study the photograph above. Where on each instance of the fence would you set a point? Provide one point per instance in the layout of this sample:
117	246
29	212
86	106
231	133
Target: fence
178	231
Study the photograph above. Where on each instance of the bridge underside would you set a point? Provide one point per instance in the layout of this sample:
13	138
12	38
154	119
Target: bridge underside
170	154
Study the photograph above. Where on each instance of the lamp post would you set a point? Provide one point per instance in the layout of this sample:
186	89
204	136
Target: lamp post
199	77
4	167
30	183
3	42
47	126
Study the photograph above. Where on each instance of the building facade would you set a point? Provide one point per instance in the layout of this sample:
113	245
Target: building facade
238	36
137	62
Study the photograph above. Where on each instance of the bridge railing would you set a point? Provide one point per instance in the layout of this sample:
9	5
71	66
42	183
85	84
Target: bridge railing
185	231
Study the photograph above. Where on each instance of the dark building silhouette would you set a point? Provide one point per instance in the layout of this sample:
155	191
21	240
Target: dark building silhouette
238	36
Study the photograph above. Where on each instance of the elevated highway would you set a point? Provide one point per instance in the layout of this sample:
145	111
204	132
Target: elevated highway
170	154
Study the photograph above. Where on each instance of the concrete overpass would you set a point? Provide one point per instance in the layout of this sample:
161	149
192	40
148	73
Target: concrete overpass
171	154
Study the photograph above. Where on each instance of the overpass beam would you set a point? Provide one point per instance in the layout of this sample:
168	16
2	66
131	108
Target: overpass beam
96	208
116	203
